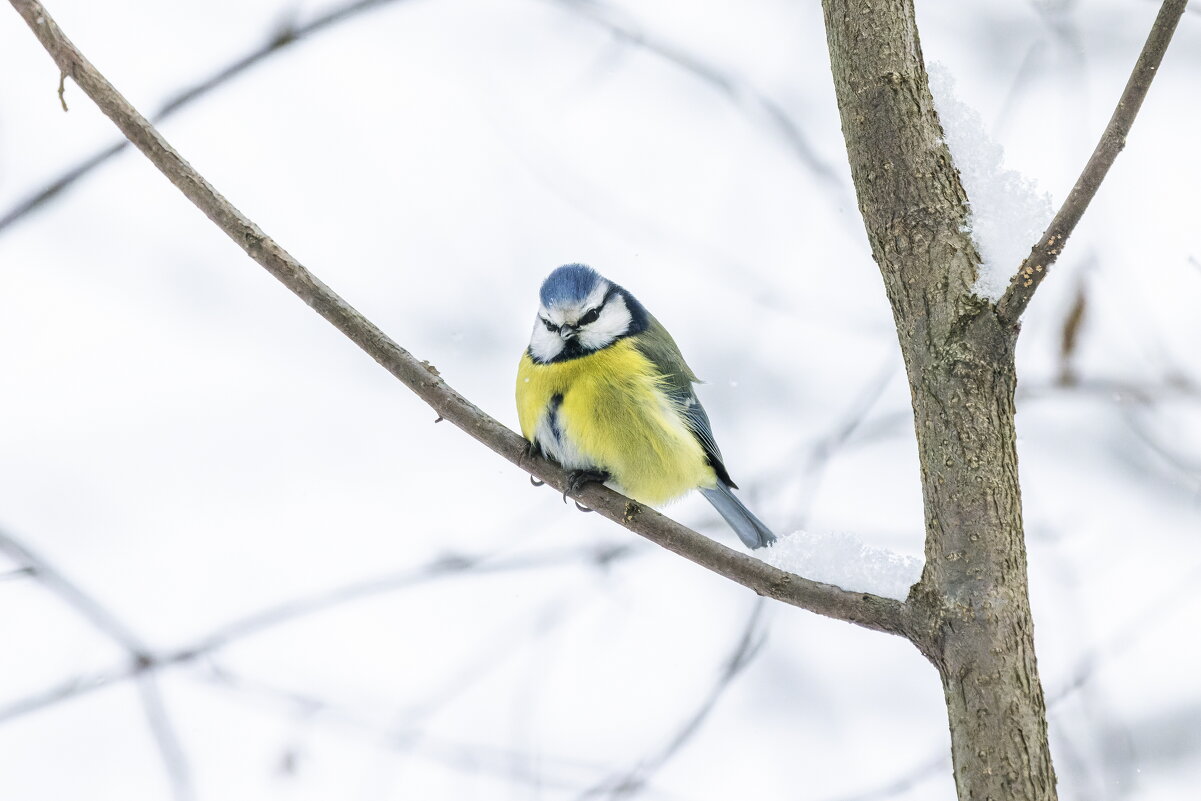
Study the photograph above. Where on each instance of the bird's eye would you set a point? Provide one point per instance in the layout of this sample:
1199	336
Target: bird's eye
590	317
549	325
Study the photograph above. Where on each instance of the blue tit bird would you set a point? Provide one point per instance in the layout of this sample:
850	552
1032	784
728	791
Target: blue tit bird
604	391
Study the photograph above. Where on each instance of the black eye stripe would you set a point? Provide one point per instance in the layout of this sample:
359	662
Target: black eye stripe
589	317
592	314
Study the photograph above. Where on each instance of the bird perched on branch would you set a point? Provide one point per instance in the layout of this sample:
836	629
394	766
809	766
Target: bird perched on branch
603	391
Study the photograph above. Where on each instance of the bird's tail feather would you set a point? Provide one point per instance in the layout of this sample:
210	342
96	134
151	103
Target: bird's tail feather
749	528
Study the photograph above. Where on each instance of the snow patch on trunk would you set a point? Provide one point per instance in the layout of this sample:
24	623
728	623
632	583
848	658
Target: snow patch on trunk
1007	212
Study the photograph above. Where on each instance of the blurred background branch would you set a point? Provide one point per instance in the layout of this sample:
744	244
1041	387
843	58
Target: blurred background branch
634	781
284	36
740	93
142	659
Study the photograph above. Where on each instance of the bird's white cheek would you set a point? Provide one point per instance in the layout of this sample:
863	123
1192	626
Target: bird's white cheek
613	322
544	345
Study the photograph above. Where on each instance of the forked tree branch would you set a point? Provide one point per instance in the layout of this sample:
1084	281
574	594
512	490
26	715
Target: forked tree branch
864	609
1045	252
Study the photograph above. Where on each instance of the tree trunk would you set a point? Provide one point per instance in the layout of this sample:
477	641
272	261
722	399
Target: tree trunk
974	619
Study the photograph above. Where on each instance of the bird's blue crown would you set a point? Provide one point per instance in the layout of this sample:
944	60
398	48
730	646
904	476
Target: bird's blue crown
569	284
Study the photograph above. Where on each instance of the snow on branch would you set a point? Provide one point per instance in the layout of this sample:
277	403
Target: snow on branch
845	561
1006	209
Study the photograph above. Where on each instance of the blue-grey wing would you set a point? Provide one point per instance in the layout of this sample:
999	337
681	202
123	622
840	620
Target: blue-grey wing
658	346
698	422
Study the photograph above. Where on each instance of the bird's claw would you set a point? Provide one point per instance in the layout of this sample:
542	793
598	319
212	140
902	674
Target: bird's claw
532	451
578	478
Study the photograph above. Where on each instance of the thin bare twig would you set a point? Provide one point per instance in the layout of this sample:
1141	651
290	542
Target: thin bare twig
823	449
1018	85
856	411
566	774
1069	335
1153	615
170	747
1187	472
443	567
922	772
1044	253
489	657
284	36
256	622
738	92
96	613
69	689
870	611
635	780
62	90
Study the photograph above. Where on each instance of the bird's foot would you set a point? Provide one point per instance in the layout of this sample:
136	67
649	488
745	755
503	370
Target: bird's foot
532	451
578	478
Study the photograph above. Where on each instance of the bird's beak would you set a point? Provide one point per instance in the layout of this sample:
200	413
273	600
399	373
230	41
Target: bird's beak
567	333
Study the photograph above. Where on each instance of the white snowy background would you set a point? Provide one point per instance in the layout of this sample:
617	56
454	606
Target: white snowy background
338	599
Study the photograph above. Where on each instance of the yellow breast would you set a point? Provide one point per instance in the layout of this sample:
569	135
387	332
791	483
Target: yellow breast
615	416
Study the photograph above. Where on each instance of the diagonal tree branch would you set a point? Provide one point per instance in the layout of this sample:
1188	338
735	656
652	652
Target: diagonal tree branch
864	609
285	35
1045	252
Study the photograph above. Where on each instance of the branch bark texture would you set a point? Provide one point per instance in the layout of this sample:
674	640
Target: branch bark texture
864	609
958	354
